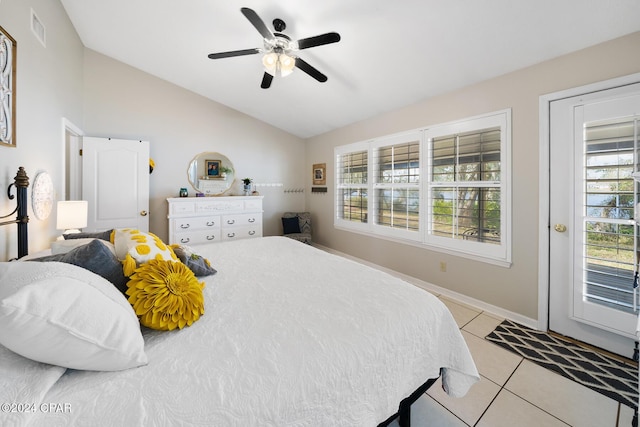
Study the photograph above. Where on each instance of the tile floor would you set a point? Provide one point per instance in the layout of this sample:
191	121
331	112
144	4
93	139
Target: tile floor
512	391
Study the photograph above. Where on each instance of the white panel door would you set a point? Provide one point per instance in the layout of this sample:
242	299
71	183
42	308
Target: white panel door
115	182
593	238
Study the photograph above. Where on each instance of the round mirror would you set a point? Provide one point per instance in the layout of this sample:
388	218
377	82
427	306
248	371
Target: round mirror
211	173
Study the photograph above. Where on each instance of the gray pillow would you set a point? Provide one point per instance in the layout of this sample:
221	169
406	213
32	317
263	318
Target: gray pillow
103	235
196	263
95	257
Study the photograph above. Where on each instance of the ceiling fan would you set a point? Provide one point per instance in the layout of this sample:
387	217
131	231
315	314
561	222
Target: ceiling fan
280	52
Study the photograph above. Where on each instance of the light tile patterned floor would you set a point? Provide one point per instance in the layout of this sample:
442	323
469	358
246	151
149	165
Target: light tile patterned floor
512	390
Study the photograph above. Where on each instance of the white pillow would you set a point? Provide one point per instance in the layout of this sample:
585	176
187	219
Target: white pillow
64	315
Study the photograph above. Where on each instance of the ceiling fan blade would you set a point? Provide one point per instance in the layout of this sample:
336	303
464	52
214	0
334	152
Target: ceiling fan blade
233	53
318	40
312	71
266	80
258	23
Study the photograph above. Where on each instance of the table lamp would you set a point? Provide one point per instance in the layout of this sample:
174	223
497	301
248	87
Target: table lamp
72	215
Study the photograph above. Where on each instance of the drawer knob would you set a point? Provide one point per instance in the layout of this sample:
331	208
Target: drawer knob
231	221
231	234
252	220
210	223
185	240
251	233
211	237
184	226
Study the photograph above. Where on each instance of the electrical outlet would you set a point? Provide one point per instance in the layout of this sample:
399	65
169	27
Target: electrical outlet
443	266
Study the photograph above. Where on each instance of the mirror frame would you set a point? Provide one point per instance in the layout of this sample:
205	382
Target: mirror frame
211	173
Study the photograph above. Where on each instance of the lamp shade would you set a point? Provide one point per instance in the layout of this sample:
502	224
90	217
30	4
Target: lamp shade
72	214
270	62
287	64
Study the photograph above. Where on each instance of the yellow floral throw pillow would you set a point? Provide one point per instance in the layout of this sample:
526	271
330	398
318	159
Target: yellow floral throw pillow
135	247
165	295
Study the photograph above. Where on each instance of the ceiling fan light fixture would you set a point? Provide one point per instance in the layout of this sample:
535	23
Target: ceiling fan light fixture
287	64
270	62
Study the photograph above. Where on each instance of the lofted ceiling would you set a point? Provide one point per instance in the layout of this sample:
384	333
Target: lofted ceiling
392	54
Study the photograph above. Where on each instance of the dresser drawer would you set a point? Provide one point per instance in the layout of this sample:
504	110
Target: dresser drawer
241	219
219	206
196	223
198	237
233	233
182	208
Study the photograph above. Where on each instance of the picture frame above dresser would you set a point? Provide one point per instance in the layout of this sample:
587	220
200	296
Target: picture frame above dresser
201	220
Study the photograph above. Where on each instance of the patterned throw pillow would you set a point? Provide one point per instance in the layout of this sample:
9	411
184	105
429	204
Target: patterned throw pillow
165	295
135	247
196	263
95	256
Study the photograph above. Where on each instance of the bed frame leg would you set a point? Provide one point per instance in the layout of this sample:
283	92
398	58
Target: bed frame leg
404	419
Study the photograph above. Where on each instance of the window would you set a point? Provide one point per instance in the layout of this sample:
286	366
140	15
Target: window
352	179
397	184
465	186
446	187
611	157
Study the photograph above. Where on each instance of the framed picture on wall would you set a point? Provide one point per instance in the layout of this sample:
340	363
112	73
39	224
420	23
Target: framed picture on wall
213	168
8	50
319	174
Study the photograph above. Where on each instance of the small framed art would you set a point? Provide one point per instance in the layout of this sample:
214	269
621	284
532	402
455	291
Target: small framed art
8	50
319	174
213	168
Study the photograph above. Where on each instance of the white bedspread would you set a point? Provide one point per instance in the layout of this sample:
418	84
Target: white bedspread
291	336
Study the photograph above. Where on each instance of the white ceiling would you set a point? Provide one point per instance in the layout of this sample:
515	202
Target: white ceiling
392	54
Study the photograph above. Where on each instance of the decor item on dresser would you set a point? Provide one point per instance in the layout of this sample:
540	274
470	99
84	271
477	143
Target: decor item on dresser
198	220
211	173
247	186
8	47
297	225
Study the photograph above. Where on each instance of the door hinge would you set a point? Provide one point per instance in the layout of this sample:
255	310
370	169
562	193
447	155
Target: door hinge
80	152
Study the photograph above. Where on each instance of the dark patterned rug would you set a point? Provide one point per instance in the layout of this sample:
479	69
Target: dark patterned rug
606	375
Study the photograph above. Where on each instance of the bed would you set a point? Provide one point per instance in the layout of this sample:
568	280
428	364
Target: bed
290	336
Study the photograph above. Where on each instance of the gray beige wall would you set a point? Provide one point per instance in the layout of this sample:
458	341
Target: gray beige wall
512	289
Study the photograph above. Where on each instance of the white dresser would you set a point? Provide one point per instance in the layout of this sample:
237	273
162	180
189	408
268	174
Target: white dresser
198	220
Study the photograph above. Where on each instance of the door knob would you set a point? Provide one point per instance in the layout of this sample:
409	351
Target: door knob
143	213
560	228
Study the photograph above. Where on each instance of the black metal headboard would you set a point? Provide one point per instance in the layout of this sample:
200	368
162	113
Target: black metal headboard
21	182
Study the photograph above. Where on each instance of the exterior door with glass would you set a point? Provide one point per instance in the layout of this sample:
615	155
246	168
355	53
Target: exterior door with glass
594	150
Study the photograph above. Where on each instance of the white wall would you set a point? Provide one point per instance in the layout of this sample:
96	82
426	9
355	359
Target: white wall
513	289
49	87
123	102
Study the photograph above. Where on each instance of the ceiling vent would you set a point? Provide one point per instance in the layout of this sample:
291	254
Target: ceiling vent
38	29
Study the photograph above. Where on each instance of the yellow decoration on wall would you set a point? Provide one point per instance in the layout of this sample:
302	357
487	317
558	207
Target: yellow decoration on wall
166	295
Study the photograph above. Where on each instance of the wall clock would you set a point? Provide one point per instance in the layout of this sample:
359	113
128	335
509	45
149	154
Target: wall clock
42	196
